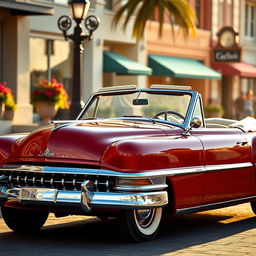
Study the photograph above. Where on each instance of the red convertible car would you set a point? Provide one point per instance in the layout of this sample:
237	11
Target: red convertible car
134	154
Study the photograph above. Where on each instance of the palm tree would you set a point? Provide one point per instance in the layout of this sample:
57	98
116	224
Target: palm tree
179	12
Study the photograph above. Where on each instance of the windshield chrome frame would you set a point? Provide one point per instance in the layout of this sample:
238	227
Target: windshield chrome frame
190	111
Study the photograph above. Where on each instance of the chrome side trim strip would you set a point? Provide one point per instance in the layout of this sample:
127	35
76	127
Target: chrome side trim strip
177	171
154	173
50	169
215	205
141	188
131	175
210	168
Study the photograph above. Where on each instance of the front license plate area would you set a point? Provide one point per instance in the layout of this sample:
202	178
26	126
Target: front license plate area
38	194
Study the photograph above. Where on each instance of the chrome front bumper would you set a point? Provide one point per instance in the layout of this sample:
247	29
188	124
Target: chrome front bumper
86	199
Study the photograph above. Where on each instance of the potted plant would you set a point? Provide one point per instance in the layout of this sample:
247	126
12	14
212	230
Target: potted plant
48	97
10	107
212	110
4	91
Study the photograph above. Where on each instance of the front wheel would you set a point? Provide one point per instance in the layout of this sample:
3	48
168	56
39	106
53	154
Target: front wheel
140	225
20	220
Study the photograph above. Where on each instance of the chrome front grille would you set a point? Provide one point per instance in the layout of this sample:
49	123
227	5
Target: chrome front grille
57	180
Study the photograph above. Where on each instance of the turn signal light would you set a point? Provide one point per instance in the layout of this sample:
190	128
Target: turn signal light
133	182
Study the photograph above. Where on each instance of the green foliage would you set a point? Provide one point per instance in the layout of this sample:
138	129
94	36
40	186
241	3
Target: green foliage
179	12
6	97
211	108
10	103
4	92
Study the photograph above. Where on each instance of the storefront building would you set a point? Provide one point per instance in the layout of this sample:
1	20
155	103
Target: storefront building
14	52
238	73
111	57
32	48
183	61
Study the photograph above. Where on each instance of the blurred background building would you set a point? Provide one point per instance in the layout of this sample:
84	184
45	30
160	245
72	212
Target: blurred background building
32	48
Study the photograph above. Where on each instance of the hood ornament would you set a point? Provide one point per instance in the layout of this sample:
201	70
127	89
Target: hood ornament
46	152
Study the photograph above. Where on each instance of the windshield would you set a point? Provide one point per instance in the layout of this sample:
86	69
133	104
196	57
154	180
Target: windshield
139	104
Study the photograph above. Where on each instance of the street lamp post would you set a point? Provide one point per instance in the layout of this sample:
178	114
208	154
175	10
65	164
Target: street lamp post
79	10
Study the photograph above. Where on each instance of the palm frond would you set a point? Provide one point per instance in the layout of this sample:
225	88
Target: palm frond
145	13
179	11
127	10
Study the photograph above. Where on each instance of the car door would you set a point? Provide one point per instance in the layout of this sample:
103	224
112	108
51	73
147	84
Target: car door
186	164
228	169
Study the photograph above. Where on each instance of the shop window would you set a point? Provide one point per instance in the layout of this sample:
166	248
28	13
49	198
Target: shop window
112	5
50	59
250	19
198	12
225	13
221	13
108	5
93	4
228	16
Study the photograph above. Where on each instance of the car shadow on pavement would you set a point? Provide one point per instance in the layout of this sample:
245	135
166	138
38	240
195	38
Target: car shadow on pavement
95	237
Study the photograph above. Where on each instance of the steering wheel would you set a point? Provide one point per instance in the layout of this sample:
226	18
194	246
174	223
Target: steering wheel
165	113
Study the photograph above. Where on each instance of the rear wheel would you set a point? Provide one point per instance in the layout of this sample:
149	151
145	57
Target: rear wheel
253	206
140	225
20	220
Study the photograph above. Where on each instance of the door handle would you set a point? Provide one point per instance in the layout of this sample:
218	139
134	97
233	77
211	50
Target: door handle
242	143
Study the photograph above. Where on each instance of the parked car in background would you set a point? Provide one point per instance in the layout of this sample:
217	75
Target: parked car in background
135	154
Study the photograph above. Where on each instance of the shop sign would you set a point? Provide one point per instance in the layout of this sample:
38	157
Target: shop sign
227	49
227	55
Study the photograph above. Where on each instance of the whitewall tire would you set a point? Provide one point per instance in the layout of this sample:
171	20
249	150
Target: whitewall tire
140	225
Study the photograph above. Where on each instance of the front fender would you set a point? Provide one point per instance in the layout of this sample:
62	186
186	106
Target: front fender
6	143
153	153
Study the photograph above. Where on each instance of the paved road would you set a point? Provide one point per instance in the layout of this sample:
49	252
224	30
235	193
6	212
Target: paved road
228	231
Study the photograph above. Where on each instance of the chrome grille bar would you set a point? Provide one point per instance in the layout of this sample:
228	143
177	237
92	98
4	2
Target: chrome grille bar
58	181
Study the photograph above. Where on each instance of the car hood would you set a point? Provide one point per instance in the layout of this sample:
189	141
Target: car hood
83	142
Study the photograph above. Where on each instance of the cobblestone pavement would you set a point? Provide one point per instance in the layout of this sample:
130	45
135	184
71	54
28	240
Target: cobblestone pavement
228	231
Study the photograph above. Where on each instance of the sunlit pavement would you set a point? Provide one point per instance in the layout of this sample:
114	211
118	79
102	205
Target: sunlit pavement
228	231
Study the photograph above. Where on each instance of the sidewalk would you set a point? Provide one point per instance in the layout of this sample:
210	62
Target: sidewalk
224	232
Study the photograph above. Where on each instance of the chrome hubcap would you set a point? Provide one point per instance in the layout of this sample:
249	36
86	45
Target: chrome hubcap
145	217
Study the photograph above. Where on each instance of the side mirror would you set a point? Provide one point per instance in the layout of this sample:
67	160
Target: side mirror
196	122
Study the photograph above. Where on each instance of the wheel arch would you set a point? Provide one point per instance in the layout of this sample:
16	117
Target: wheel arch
170	208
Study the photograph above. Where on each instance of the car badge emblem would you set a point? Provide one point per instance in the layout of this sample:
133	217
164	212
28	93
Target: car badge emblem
46	152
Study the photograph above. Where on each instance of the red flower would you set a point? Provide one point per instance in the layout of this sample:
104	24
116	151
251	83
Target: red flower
5	93
49	93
